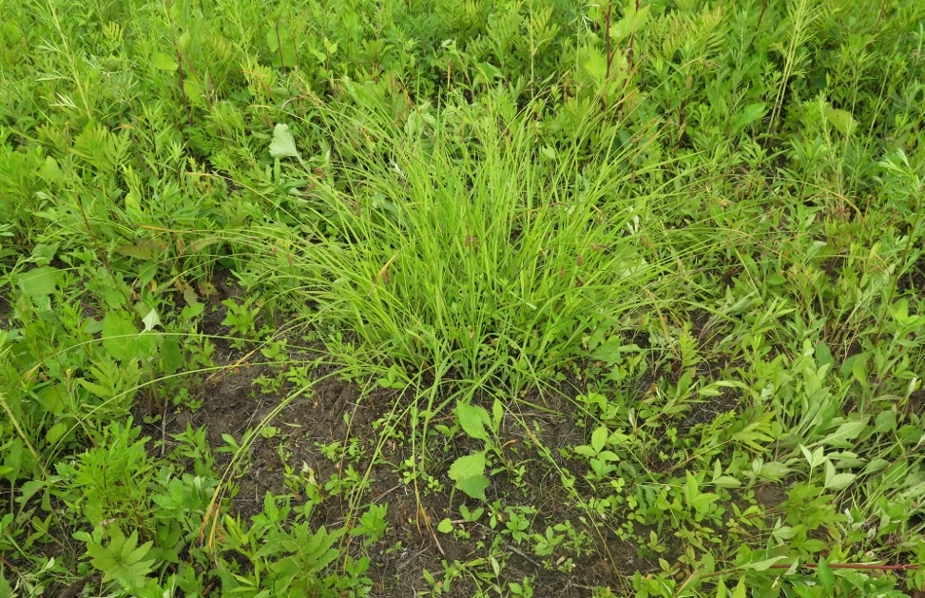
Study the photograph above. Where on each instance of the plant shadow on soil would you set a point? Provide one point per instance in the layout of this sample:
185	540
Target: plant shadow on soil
232	404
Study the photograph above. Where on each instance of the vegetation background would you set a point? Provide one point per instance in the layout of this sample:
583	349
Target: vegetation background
429	297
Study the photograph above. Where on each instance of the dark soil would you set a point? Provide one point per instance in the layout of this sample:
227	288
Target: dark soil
232	404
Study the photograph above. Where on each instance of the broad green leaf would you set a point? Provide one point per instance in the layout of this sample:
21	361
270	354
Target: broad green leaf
841	120
608	456
632	21
876	465
164	62
171	357
859	371
469	474
748	115
283	144
5	588
599	438
814	458
837	481
56	432
610	351
497	415
741	591
445	526
120	336
145	250
596	65
763	565
824	354
726	481
885	422
38	282
845	432
472	419
193	90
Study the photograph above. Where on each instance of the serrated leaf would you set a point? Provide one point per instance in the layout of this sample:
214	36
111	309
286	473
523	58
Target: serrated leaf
608	456
171	357
283	144
119	336
472	420
469	474
596	65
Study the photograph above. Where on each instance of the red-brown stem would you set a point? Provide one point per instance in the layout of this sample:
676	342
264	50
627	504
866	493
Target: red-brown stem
608	55
629	51
855	566
189	113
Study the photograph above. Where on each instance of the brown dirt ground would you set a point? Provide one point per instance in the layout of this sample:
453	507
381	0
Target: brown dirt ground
231	404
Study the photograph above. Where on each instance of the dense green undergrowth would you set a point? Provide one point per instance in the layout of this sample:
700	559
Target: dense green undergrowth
633	292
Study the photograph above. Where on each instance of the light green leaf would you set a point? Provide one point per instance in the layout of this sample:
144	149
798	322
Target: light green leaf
876	465
763	565
38	282
497	415
841	120
837	481
596	65
119	336
748	115
726	481
151	320
171	357
632	21
469	474
164	62
192	89
826	577
472	419
445	526
56	432
885	422
845	432
283	144
599	438
814	458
